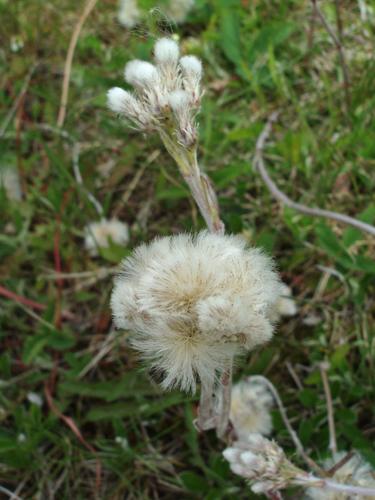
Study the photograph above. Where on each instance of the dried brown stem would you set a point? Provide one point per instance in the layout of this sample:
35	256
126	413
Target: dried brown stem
205	419
340	50
339	23
17	101
90	4
297	443
331	421
260	166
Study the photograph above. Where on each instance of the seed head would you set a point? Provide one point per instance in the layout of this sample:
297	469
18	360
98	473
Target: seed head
192	302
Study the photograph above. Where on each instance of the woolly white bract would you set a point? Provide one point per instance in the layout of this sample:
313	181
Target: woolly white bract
192	302
155	105
250	409
262	462
99	234
356	472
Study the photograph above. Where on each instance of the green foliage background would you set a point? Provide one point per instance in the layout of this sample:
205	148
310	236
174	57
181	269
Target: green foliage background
257	58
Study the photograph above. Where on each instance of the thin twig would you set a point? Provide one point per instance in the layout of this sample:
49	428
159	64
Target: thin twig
311	32
331	421
90	4
259	165
340	51
17	101
294	376
11	495
339	23
332	471
105	348
4	292
297	443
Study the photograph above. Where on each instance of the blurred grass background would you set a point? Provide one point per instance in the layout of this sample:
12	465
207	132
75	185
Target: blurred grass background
73	396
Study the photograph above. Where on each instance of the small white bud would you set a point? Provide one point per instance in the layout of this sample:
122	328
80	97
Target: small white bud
140	73
230	454
238	469
259	487
116	98
166	51
178	100
248	458
191	65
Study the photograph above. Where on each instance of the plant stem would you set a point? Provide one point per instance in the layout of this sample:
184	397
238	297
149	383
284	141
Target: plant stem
225	401
331	419
260	166
205	412
288	425
329	484
204	195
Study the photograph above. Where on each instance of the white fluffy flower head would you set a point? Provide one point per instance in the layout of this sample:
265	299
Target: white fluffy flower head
250	408
192	302
156	86
99	234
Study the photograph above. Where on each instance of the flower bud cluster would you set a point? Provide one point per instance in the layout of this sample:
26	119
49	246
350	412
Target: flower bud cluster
166	94
262	462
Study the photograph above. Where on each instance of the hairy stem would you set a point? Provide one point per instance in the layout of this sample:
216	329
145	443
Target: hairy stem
329	484
225	401
205	412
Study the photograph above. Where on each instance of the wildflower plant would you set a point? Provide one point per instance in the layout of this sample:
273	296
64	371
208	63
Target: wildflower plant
192	303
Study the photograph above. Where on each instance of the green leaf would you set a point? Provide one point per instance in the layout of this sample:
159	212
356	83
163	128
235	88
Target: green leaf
308	398
226	175
274	34
337	360
33	346
172	193
130	385
329	242
229	27
126	409
351	234
193	482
